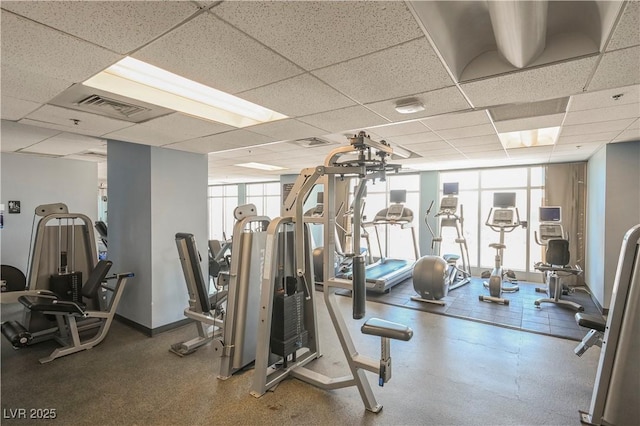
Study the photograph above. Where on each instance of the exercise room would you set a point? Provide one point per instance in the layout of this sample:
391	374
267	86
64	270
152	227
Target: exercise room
320	212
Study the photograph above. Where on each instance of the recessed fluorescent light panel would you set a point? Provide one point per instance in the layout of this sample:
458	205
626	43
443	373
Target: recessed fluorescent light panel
260	166
138	80
529	138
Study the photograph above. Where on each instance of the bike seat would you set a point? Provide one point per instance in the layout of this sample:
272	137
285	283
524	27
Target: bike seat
497	246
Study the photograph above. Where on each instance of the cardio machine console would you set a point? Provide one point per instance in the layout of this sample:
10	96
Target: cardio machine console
395	211
448	205
502	217
550	231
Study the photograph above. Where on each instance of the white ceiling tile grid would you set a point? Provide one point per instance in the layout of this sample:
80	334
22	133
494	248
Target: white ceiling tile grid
333	68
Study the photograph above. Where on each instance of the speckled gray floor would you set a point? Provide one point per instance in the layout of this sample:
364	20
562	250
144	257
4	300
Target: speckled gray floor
453	372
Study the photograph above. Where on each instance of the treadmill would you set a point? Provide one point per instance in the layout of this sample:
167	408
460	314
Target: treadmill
387	272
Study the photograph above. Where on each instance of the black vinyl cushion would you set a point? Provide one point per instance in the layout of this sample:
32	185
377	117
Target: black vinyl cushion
558	252
89	290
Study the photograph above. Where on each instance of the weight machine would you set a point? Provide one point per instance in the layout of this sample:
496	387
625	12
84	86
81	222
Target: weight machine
288	337
614	400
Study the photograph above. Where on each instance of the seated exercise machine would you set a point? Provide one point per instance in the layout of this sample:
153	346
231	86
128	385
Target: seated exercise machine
288	338
434	275
206	309
70	316
557	258
387	271
503	217
240	332
614	400
219	257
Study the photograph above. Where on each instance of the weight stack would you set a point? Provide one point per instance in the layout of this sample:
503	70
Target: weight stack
67	286
287	324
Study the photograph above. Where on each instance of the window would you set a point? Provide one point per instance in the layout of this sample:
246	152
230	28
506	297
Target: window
395	242
266	197
223	199
476	196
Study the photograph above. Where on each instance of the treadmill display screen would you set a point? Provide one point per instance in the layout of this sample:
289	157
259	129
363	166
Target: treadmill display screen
504	199
550	214
450	188
398	196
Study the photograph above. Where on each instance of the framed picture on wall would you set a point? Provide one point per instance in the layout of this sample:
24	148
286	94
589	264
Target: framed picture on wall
14	206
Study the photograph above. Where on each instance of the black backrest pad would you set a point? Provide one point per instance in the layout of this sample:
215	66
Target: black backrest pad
91	287
558	252
194	262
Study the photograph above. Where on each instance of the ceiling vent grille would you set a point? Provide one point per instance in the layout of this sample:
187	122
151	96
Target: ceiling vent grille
100	103
533	109
312	142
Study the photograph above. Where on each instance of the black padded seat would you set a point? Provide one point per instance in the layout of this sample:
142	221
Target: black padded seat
48	304
383	328
593	322
89	290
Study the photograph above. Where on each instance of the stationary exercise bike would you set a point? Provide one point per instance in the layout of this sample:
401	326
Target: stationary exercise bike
434	275
557	257
503	217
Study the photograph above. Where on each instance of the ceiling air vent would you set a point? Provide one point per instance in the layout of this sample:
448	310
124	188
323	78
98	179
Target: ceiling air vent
312	142
100	103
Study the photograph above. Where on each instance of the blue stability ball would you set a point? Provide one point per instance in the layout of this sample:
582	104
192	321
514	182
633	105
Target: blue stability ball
429	277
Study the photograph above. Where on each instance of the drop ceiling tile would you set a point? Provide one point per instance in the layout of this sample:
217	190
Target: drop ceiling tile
574	148
489	155
618	68
316	34
16	136
28	85
540	152
467	149
416	138
616	112
587	138
600	127
454	121
188	126
628	136
145	135
529	85
66	144
212	52
344	119
604	98
119	26
298	96
476	140
14	109
467	132
398	129
436	102
221	142
427	151
54	117
29	46
398	71
287	129
627	32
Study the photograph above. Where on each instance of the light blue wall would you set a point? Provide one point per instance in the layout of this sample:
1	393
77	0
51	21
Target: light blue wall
429	191
613	206
35	180
153	194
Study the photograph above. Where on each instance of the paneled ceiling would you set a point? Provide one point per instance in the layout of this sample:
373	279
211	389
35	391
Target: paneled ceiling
334	68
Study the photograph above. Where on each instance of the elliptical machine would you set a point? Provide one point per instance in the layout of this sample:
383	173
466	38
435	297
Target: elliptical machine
434	275
503	217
